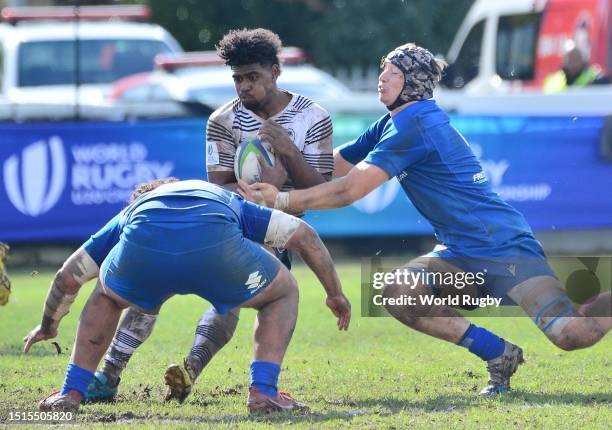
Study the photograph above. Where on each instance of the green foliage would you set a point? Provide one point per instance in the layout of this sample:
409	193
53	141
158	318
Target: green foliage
360	32
336	33
379	374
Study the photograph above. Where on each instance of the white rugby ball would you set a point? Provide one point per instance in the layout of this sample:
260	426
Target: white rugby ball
246	165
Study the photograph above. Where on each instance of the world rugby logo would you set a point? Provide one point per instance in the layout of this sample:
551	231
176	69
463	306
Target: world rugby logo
35	180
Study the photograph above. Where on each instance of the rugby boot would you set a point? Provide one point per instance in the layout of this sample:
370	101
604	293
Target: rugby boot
101	389
261	403
180	380
501	369
55	401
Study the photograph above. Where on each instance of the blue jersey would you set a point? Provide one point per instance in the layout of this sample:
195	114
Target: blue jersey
443	179
183	205
100	243
188	237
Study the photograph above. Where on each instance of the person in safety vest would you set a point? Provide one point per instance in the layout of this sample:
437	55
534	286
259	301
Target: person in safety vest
575	71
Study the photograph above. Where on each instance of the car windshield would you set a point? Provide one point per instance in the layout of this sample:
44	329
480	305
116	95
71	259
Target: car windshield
101	61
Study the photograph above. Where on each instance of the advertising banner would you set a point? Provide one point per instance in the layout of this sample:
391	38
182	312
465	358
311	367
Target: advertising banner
63	181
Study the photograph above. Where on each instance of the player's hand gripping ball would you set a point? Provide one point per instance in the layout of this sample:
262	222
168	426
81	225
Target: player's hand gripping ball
246	163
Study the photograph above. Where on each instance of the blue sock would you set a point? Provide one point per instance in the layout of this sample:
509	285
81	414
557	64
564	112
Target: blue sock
482	342
77	378
264	377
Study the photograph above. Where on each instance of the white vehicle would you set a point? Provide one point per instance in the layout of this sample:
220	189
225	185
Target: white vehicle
509	46
202	77
40	46
504	49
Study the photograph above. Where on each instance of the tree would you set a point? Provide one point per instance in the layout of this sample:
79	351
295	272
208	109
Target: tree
335	33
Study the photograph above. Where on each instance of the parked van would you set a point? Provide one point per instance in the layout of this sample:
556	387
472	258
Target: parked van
509	45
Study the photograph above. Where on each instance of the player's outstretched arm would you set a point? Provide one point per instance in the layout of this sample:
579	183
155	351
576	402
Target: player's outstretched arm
341	166
286	231
76	271
359	181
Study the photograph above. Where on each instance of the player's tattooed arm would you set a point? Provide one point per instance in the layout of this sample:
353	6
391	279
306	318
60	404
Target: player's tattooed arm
286	231
76	271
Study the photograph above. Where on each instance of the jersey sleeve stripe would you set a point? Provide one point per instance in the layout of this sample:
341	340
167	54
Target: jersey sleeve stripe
220	137
216	127
324	135
324	123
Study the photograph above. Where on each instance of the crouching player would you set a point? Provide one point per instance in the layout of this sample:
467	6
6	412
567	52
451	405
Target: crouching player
171	238
479	232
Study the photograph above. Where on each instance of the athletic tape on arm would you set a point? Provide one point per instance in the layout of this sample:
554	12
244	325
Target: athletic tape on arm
58	303
80	267
282	201
280	229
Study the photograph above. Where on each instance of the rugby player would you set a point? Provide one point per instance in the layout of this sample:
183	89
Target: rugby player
166	242
5	282
479	232
300	132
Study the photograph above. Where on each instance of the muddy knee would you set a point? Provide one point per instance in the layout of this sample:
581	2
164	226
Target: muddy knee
564	327
580	332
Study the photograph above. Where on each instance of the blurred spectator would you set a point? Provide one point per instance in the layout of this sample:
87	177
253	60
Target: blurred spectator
575	71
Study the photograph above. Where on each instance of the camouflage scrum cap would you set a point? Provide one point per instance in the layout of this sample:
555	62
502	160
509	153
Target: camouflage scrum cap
421	72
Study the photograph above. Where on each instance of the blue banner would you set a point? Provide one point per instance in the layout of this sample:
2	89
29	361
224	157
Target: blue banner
63	181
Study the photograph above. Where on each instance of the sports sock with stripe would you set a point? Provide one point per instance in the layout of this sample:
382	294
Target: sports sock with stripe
213	332
134	329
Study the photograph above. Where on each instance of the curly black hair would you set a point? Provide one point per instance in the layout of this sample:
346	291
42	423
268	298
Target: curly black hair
242	47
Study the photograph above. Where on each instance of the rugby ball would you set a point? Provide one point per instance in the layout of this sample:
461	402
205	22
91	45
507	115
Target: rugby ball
246	165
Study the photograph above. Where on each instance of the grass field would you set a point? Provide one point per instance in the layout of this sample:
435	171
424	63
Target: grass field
378	375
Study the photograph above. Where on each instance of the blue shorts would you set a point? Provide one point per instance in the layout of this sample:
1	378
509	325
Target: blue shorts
226	274
525	260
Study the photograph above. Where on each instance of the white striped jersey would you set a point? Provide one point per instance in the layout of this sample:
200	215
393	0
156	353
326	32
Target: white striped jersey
308	125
